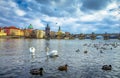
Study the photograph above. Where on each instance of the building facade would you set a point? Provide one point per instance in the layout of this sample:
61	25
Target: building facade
59	33
29	31
52	34
13	31
2	33
40	34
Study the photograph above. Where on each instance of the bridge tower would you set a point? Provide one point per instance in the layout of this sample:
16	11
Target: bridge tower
47	32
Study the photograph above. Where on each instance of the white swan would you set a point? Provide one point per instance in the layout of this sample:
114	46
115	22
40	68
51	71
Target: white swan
32	49
52	53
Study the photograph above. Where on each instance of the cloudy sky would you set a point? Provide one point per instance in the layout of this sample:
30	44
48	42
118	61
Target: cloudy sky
74	16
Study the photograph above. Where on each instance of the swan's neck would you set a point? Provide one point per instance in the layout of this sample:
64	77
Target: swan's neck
47	50
47	53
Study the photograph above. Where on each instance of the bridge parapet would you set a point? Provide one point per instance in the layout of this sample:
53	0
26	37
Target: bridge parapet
93	36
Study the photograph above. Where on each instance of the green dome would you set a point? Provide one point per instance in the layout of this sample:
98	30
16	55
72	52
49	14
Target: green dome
30	27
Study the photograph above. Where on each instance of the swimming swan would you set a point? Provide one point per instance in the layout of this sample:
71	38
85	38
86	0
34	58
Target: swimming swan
32	49
52	53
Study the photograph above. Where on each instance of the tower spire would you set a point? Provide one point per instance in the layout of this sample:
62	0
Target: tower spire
59	29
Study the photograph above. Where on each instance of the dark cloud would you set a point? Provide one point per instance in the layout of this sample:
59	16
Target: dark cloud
59	9
45	2
48	11
22	4
56	8
59	3
110	21
94	5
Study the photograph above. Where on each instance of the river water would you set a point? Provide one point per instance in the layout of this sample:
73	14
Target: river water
16	61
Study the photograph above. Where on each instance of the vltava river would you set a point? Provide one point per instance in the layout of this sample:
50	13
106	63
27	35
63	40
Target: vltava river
16	61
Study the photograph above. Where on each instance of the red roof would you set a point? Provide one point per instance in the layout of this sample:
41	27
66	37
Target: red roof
11	27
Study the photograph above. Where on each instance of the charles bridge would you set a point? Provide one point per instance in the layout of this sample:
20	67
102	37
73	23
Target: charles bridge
93	36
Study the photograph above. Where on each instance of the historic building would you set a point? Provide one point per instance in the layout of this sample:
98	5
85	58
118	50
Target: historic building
67	35
52	34
29	31
2	33
40	34
13	31
59	33
47	32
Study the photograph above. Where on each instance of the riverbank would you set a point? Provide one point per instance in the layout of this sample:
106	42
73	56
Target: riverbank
10	37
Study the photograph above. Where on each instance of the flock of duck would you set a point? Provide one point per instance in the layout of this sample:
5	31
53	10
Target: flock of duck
101	47
40	71
65	67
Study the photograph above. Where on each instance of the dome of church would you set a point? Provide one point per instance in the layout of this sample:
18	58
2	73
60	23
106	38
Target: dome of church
30	26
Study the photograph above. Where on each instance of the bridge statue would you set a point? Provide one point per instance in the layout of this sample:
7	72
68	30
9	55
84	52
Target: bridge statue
106	36
82	36
93	36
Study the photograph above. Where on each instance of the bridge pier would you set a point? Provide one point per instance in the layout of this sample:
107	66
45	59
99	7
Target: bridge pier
93	36
118	36
82	36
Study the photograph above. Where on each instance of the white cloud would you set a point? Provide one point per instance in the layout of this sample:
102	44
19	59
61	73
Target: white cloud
97	16
13	7
112	6
88	28
16	9
12	4
20	12
36	23
60	21
100	15
115	10
87	18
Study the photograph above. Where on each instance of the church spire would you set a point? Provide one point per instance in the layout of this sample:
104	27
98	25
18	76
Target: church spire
47	26
59	29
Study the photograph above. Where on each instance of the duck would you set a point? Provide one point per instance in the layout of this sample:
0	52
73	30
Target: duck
111	48
53	53
85	51
63	68
36	71
77	50
101	51
32	49
107	67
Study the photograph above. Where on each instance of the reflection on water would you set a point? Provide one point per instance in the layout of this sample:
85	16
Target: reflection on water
16	60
